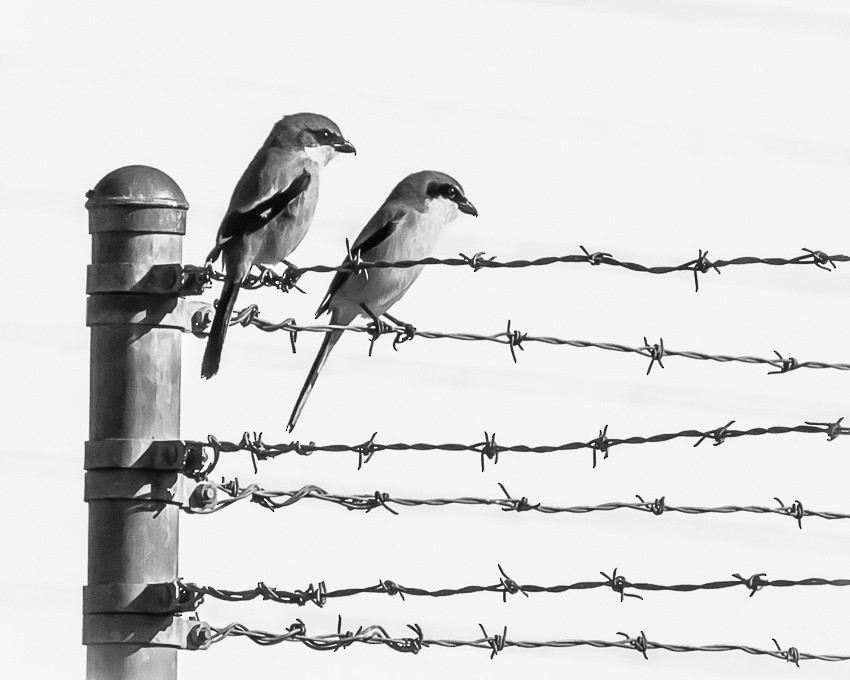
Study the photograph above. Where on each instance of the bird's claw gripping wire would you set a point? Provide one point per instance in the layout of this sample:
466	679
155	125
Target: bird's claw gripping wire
375	328
476	261
594	259
701	266
289	278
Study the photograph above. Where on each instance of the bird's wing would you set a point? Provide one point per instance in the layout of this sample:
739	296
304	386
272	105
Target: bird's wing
246	220
378	230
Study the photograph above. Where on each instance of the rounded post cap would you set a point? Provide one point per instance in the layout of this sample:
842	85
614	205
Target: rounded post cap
136	185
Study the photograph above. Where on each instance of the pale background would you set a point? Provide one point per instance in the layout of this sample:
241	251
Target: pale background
646	129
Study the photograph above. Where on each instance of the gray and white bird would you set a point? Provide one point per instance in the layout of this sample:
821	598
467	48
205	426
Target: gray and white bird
271	209
406	227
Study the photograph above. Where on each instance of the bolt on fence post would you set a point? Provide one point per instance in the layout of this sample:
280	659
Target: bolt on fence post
137	219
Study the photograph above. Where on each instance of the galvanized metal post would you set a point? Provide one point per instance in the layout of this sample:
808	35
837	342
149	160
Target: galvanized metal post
137	219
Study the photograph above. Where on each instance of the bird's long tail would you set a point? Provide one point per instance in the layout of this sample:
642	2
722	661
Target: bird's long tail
215	343
331	338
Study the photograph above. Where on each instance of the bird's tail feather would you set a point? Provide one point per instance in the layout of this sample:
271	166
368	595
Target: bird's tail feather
331	338
215	343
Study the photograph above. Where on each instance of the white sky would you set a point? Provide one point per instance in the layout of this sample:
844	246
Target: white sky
646	129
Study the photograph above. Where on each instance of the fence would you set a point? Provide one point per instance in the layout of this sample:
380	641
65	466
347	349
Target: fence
140	475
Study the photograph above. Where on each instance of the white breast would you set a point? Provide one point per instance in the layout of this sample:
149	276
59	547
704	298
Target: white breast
321	155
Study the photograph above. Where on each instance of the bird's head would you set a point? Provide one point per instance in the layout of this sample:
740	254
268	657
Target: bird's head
436	191
315	136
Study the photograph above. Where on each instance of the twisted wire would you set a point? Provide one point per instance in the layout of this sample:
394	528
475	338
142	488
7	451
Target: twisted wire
514	340
489	450
231	492
319	595
496	643
699	265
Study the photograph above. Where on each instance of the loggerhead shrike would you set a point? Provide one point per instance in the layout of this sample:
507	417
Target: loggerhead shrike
406	227
271	209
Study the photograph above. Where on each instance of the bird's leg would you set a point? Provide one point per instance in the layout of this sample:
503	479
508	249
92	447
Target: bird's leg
376	328
408	332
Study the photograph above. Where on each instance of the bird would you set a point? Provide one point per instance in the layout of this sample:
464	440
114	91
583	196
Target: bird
405	227
271	210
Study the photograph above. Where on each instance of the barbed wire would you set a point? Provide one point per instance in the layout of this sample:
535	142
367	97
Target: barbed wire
319	595
490	450
700	265
378	635
231	492
513	338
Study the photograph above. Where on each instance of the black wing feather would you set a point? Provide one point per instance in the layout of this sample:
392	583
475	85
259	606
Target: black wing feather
360	250
240	223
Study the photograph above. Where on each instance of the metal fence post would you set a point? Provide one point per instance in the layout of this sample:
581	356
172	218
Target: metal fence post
137	218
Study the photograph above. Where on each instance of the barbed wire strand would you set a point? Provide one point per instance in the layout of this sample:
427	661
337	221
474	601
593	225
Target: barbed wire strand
319	595
489	449
700	265
378	635
231	492
513	338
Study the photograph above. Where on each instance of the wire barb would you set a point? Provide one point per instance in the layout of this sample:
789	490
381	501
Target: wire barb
476	261
755	582
792	654
719	435
655	353
510	587
656	507
785	365
619	584
701	266
595	259
794	510
515	339
489	449
820	259
601	444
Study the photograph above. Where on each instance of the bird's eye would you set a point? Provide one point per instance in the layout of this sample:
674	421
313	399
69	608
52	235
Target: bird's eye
451	192
325	134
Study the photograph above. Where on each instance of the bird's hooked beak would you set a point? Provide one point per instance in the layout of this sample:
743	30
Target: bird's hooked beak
466	207
344	146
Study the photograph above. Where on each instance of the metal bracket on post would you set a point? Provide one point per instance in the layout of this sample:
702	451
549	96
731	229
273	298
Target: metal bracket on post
139	598
147	454
136	631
